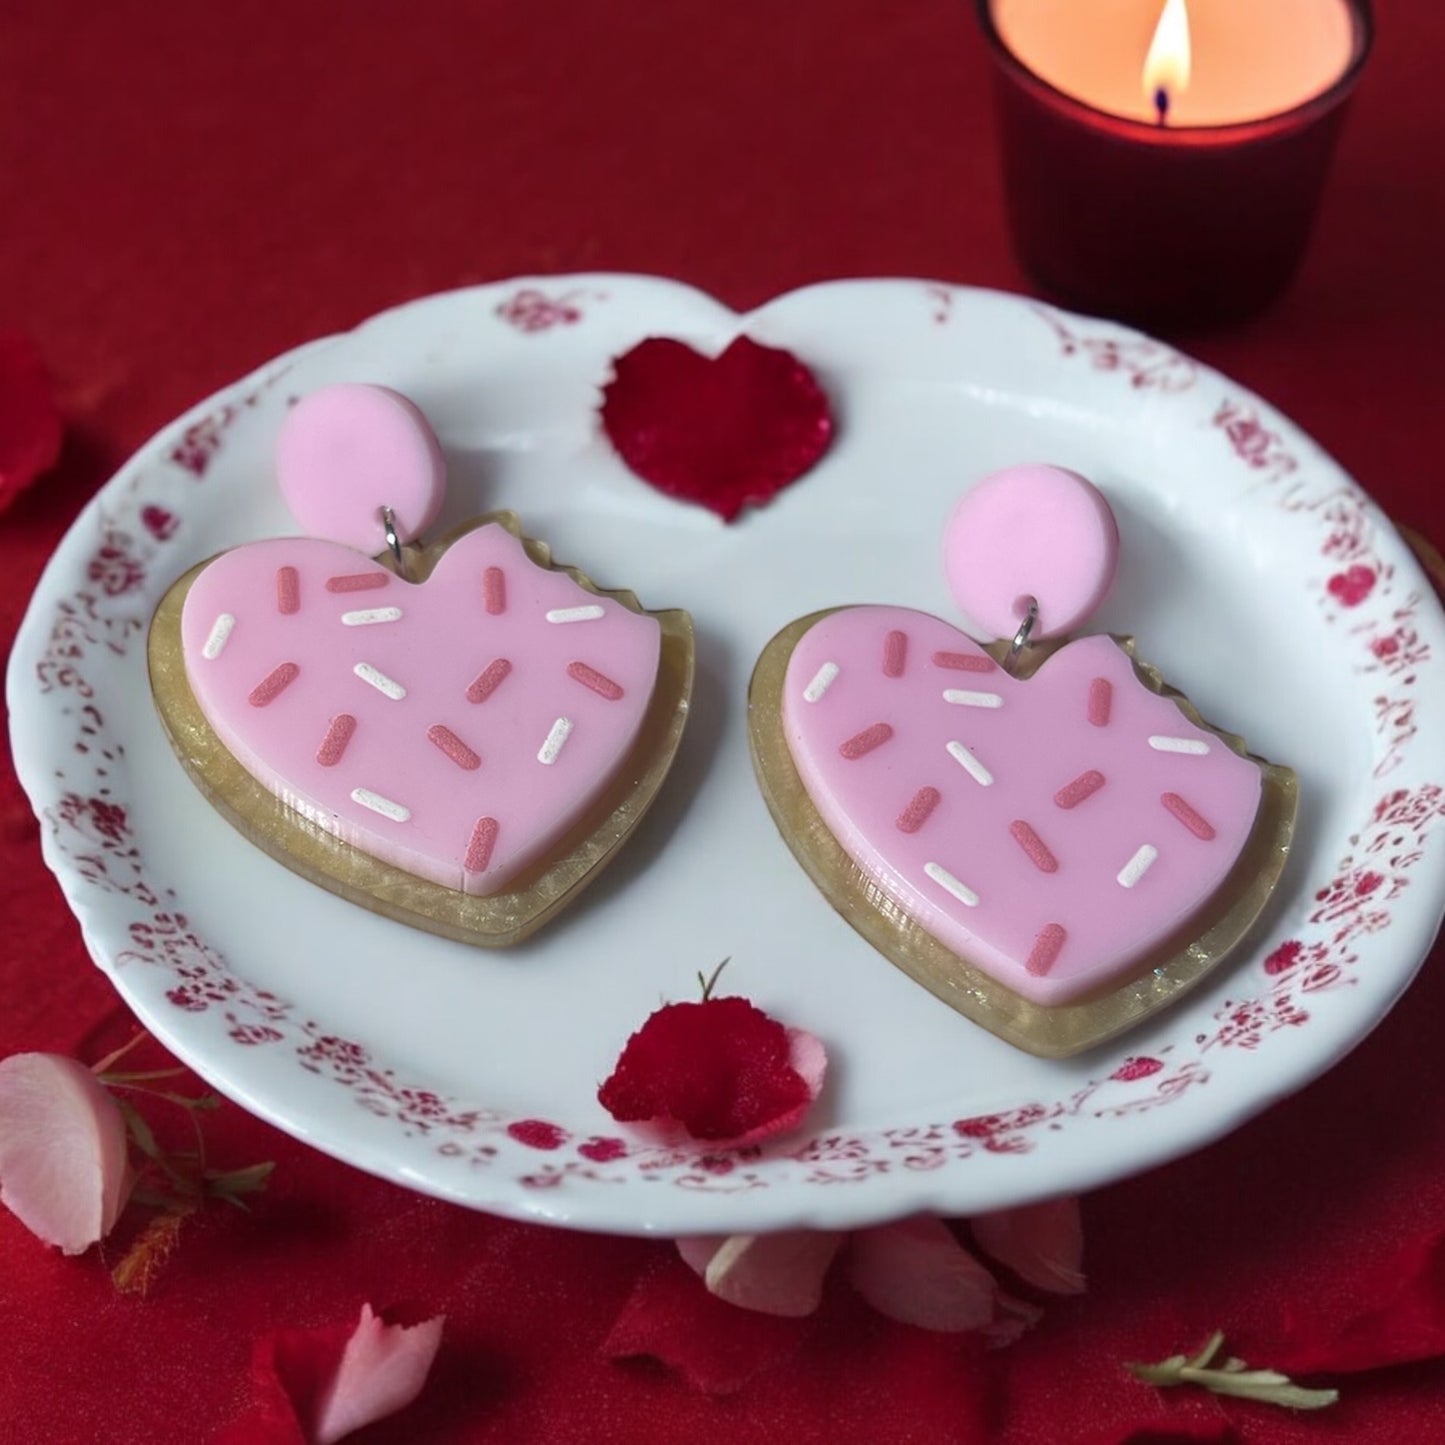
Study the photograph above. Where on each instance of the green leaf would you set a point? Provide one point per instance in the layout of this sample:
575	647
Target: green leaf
200	1103
231	1184
140	1076
153	1199
1233	1377
139	1130
1211	1348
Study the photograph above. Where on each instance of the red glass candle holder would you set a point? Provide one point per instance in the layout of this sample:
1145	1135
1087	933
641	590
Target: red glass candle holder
1176	226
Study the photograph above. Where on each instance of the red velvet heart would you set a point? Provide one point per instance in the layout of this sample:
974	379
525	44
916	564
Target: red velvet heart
727	433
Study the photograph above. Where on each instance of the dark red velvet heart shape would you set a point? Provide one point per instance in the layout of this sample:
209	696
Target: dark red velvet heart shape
728	432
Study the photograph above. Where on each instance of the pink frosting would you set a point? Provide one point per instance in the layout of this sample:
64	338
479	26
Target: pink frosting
522	694
1051	831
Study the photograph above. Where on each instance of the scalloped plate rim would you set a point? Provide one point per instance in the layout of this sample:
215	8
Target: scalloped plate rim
598	1208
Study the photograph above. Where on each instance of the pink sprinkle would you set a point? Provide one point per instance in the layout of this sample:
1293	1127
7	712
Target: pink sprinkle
866	741
1201	827
964	661
288	590
1034	846
590	677
489	680
336	739
358	582
1084	786
273	684
1047	947
494	589
895	654
479	850
453	747
915	815
1101	700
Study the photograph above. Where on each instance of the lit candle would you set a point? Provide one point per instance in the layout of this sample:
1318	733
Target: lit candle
1164	158
1165	76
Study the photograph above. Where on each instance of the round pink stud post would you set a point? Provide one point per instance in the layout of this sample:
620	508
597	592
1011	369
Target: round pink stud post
1035	532
349	451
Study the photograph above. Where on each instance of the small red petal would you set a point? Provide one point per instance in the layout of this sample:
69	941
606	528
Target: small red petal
722	1069
714	1346
30	428
726	433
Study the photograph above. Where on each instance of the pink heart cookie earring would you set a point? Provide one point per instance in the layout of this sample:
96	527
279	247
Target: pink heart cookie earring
1043	833
457	735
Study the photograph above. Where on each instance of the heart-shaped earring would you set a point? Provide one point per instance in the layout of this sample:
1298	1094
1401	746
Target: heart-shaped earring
458	735
1044	834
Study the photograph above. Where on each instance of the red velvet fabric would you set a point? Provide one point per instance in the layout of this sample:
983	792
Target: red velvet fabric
187	190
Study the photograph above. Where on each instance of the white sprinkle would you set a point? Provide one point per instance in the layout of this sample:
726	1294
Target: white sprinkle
1178	745
379	680
945	879
589	613
395	811
561	729
1138	865
822	681
972	699
970	764
371	614
220	635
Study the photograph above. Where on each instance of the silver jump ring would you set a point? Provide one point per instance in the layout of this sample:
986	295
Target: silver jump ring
1021	637
388	522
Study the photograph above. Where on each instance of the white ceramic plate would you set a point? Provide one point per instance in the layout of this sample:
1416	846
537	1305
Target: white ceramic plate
1255	574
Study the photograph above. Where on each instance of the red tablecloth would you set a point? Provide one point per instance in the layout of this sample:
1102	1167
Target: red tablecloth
186	190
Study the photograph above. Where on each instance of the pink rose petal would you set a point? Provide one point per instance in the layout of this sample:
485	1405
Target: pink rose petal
381	1370
774	1274
916	1272
63	1169
1041	1243
1011	1318
809	1060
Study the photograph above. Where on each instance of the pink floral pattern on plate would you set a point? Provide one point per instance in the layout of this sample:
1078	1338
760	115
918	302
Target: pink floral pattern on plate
531	309
88	639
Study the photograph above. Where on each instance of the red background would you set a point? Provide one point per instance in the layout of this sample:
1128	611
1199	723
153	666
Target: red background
186	190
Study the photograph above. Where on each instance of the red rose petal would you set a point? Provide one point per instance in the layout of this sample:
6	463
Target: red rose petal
722	1069
1367	1314
30	428
714	1346
727	433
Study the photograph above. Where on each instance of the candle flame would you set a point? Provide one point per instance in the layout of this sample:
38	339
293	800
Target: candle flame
1166	67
